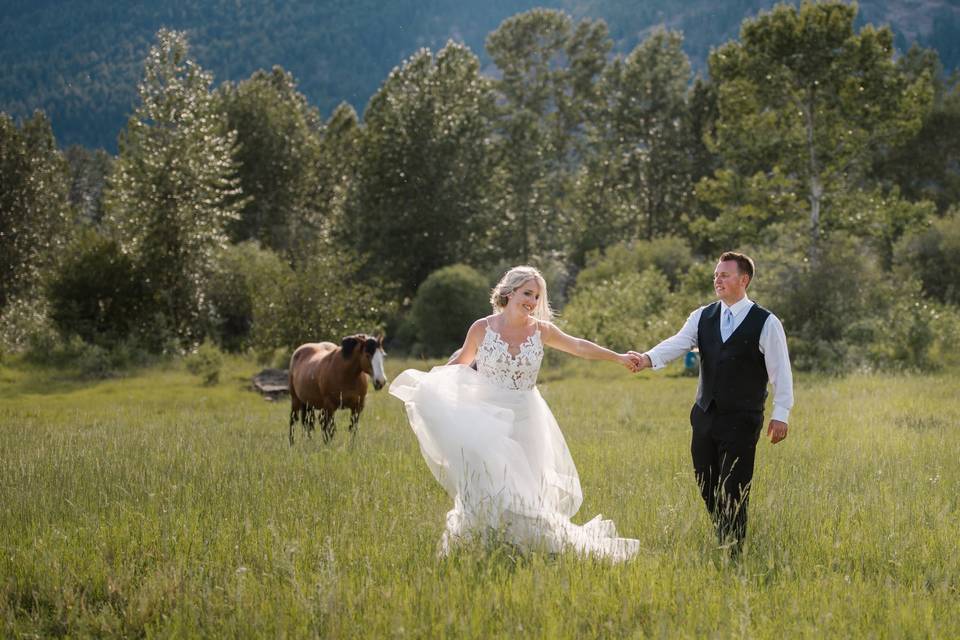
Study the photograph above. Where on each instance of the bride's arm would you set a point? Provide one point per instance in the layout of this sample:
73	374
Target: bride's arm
467	353
553	337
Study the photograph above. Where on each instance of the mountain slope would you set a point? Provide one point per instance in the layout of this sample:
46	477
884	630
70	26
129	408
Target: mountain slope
80	62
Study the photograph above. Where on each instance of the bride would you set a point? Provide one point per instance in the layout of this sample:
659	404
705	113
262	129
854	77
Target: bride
490	439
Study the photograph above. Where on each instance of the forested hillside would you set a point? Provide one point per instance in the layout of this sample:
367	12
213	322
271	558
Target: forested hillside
240	213
80	62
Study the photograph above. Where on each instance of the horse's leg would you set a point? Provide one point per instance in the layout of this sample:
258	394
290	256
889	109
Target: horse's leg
327	425
296	408
309	419
355	419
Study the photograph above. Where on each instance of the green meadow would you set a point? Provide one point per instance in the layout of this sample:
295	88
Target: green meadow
152	506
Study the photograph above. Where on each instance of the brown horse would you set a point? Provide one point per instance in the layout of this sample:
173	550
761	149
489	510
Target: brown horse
327	377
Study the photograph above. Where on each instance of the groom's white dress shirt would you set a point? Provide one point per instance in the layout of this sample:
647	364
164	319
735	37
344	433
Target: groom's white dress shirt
773	346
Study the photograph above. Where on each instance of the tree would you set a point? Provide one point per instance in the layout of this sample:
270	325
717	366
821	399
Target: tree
639	181
927	165
34	211
420	198
325	299
933	255
173	189
648	103
337	165
278	146
547	93
804	93
88	178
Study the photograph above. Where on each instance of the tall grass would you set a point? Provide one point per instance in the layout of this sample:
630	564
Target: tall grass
154	506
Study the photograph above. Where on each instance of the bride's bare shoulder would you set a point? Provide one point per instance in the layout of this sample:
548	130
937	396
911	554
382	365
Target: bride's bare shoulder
546	327
480	324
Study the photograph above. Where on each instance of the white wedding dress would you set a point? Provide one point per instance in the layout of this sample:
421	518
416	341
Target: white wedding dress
490	440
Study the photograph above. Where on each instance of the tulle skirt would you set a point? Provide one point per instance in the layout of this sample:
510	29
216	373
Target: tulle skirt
500	456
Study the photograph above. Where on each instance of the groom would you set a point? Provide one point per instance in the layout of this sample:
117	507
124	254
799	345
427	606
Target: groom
742	347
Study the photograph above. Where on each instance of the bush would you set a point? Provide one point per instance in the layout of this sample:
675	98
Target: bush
25	326
97	293
847	312
670	255
628	311
93	361
402	332
945	321
205	361
87	360
445	306
244	276
324	299
934	256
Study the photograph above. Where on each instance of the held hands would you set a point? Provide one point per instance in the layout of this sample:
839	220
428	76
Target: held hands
776	431
631	361
642	361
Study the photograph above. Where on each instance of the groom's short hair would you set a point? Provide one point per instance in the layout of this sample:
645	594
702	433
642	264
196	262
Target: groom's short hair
744	262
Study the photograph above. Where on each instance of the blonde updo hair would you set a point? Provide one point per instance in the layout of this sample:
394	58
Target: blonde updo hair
511	281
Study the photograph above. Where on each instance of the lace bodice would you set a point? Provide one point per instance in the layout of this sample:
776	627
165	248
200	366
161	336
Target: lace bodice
497	364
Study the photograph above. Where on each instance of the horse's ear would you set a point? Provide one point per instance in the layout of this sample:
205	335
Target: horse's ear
348	344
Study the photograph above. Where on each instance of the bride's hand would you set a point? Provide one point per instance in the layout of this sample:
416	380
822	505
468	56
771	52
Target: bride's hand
630	361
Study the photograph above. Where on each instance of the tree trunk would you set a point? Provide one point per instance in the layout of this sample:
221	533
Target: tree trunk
816	184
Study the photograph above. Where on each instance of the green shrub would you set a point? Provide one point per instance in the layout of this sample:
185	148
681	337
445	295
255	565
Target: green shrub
669	254
244	276
25	325
628	311
945	322
847	312
402	332
445	306
205	361
933	255
73	355
97	292
278	358
325	298
93	361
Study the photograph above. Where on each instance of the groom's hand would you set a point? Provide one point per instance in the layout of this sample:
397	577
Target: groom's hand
777	431
642	360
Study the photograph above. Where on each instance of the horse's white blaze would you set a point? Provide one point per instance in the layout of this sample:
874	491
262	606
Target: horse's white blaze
378	373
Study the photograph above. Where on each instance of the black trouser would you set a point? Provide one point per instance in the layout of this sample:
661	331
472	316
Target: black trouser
723	448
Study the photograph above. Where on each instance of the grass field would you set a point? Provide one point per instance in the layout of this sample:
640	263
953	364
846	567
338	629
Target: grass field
152	506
